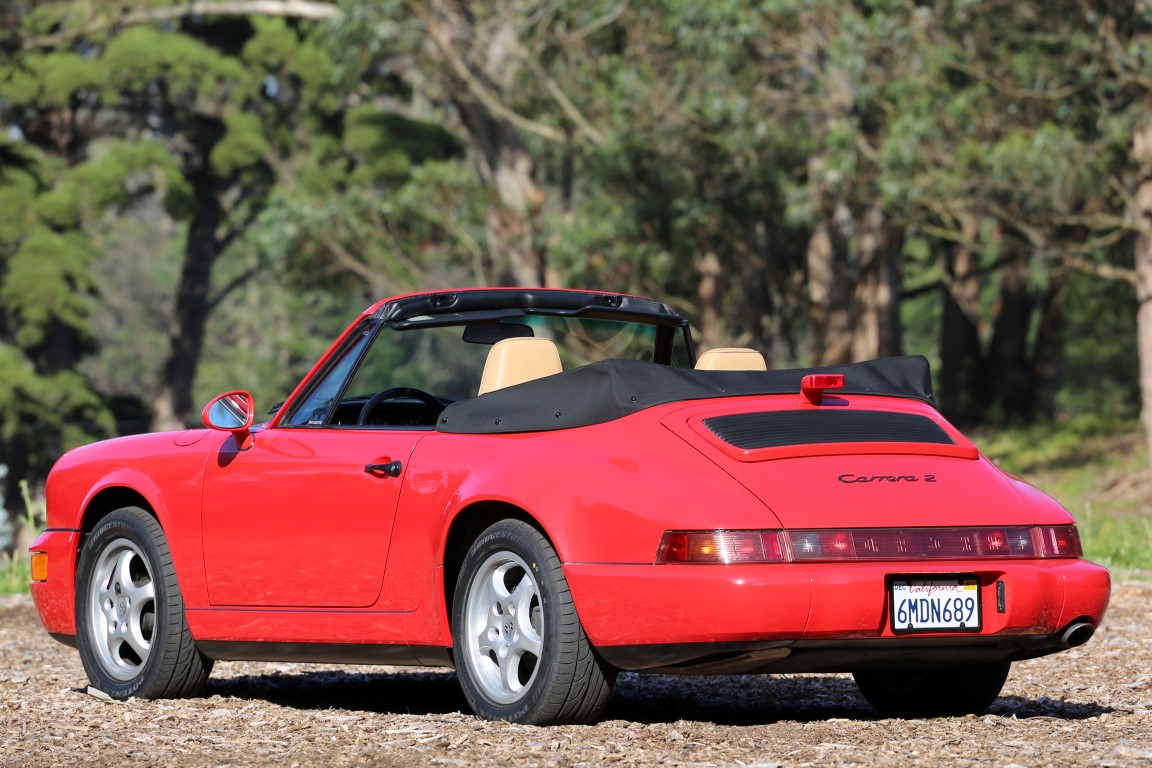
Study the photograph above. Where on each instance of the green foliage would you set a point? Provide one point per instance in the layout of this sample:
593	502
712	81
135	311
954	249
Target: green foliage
19	185
243	144
1101	368
48	284
15	573
84	193
191	69
1124	542
388	146
278	49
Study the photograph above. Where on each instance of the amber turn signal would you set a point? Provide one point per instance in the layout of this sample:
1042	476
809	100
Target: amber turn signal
39	566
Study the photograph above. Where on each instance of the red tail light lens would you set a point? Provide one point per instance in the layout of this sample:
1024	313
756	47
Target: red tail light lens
911	543
1059	541
1009	542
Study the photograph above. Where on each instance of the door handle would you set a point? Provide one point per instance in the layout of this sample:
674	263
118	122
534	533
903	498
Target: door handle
392	468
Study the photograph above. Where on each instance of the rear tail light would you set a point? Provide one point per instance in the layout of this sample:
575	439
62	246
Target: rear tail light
1011	542
1059	541
720	547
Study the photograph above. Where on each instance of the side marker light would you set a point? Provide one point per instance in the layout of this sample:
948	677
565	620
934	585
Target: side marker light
39	566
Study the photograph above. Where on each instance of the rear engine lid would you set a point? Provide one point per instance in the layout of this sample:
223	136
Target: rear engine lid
866	463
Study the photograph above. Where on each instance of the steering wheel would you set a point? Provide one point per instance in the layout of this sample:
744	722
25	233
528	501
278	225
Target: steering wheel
391	393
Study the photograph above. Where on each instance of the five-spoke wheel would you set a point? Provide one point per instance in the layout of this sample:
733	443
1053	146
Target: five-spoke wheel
520	650
121	609
130	625
502	614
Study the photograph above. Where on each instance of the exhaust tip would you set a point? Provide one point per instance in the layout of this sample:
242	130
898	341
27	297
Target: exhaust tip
1077	634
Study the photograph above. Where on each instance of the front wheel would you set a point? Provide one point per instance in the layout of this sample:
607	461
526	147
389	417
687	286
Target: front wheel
130	626
520	651
959	690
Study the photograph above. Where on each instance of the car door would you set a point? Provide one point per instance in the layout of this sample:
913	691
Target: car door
296	520
302	517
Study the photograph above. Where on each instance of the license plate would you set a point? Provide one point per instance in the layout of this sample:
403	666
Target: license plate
949	604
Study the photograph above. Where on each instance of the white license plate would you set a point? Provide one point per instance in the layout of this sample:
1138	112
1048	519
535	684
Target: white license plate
950	604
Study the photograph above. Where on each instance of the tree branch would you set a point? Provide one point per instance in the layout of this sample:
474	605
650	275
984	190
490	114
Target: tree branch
573	113
1106	271
461	69
599	23
235	283
300	9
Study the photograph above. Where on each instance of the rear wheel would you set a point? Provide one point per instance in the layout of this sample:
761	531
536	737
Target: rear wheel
961	690
130	625
520	651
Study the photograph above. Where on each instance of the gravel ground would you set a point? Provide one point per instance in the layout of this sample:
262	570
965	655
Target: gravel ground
1088	706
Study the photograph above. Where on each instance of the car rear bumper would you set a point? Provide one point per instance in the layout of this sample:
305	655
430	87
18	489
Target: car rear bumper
56	598
792	618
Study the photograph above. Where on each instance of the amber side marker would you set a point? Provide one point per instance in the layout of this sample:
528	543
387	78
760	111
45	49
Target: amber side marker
39	566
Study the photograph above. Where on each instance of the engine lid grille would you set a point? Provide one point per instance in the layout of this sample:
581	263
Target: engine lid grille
776	429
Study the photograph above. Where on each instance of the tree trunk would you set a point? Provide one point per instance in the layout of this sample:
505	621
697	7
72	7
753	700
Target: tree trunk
1048	354
173	407
830	289
1142	253
1143	258
960	332
479	64
876	329
505	167
709	270
1008	384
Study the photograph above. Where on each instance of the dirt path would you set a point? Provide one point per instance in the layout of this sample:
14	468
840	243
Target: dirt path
1089	706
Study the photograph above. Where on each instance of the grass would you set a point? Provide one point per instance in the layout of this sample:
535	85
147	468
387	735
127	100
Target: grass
16	569
15	573
1098	469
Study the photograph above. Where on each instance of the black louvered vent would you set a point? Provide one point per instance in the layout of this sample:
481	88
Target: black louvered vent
774	429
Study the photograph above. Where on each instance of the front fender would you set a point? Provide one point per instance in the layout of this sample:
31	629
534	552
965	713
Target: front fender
155	470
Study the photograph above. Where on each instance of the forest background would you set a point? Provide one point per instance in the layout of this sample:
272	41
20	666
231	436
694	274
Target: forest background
198	196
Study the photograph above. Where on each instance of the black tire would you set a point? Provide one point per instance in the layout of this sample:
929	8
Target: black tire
130	626
960	690
512	603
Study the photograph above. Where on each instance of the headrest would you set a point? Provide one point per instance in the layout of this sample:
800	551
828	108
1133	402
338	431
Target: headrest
515	361
731	359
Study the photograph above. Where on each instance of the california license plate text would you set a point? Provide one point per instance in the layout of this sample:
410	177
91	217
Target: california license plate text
935	605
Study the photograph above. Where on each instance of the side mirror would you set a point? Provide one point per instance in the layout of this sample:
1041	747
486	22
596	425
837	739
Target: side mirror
231	412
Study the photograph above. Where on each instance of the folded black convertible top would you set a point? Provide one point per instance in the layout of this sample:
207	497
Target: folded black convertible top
612	389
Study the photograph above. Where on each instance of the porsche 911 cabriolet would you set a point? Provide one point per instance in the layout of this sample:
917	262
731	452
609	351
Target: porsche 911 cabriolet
542	488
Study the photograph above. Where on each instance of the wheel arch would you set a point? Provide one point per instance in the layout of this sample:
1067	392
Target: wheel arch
465	528
108	500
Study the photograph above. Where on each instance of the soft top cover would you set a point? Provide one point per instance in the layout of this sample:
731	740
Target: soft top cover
612	389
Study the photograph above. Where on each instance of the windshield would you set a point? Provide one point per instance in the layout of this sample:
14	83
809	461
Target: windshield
403	374
582	340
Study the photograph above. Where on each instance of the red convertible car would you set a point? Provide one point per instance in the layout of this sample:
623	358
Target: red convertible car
543	488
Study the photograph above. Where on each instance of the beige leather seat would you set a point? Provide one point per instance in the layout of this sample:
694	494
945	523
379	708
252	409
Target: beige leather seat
515	361
731	359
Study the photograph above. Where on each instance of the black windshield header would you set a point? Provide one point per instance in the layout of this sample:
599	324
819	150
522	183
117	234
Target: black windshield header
451	307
